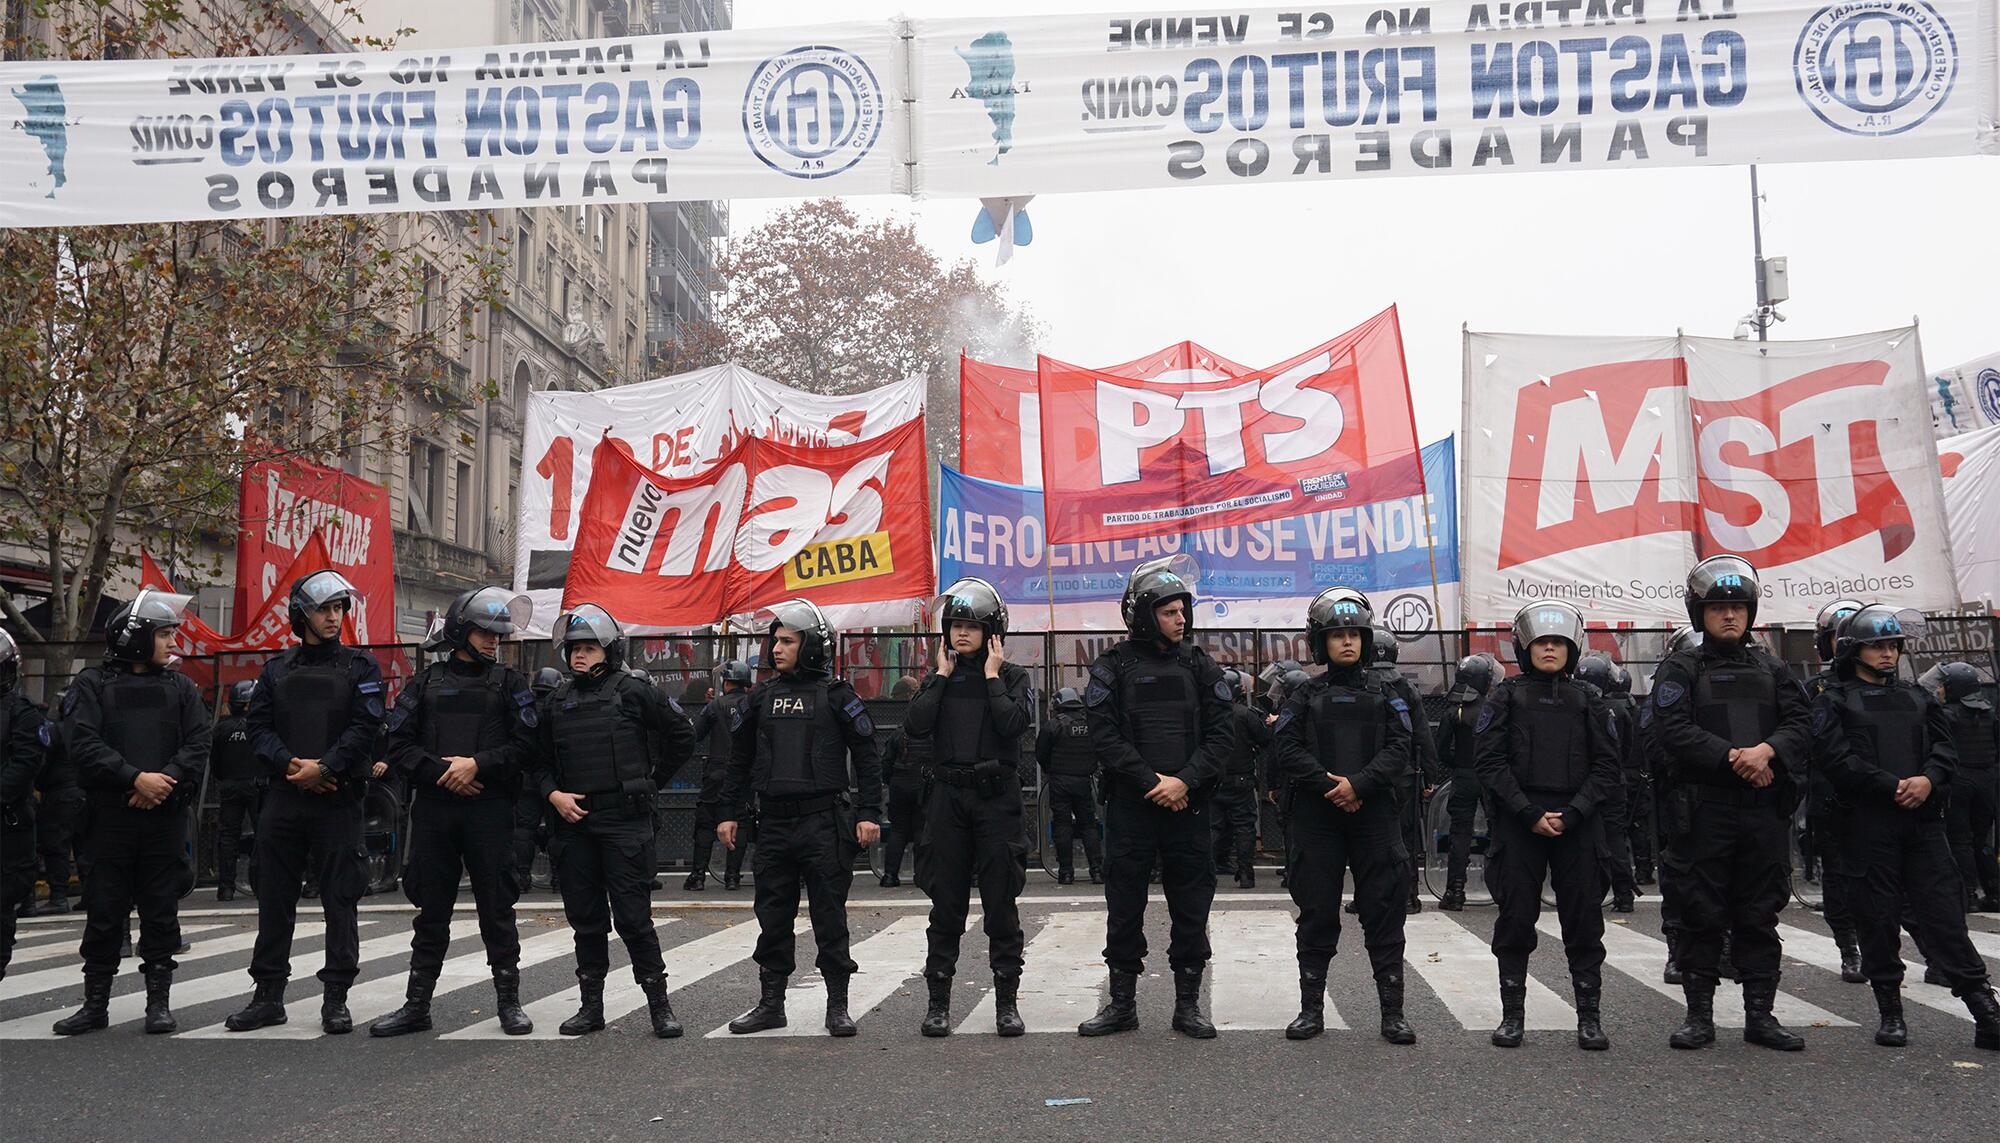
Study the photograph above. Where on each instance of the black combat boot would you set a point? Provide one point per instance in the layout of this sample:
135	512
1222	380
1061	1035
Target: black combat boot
1759	1026
1643	875
266	1007
732	881
1513	1012
1850	957
507	1002
159	1017
1589	1010
1188	1018
1096	876
1453	900
1985	1018
1415	904
1725	965
838	1022
1988	902
1697	1030
1120	1013
1311	1020
1673	975
1007	1004
1893	1033
1622	901
414	1015
1389	993
1246	875
1936	976
226	890
590	1007
696	882
58	902
334	1018
659	1009
96	1010
769	1011
937	1017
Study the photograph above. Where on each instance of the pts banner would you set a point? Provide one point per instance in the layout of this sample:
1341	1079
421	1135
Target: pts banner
1598	470
287	503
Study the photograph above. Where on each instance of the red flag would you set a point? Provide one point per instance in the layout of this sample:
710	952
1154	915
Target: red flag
286	501
267	627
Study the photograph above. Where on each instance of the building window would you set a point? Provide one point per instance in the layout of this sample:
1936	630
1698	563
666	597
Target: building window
548	272
424	491
430	299
468	523
524	256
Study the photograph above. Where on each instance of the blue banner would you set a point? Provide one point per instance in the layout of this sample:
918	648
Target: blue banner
994	531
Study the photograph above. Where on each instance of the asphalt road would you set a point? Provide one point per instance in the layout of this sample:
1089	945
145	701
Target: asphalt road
889	1083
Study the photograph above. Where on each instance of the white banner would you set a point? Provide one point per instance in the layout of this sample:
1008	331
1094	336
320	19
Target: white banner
773	112
677	426
1228	97
1598	470
1965	397
1971	468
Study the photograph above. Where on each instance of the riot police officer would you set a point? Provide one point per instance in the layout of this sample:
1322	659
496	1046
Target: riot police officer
1638	788
974	706
1425	773
1823	821
1975	791
1548	758
315	721
712	724
1160	714
138	733
1475	678
461	736
1597	672
1236	794
58	819
790	749
1344	741
23	755
609	741
903	762
1733	727
531	812
238	776
1288	681
1068	758
1886	747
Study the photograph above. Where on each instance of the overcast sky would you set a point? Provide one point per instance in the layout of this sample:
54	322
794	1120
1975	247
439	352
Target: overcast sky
1258	273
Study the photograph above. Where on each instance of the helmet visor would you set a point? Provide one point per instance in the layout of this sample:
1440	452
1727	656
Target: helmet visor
1881	623
323	587
1340	608
1169	575
1548	620
162	607
798	615
498	610
970	599
589	623
1720	579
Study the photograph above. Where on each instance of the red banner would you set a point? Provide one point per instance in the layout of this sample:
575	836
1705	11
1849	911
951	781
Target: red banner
1125	458
999	408
286	501
267	626
770	521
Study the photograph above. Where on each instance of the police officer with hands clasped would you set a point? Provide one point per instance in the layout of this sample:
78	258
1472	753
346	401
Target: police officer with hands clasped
1068	758
239	779
713	723
1456	753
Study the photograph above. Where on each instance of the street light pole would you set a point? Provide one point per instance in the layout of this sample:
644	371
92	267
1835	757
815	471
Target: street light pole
1763	317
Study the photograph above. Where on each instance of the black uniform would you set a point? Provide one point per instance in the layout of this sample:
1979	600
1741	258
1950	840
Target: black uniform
486	712
117	723
711	724
1975	798
1237	795
1346	722
1638	793
24	741
1731	841
1547	744
614	740
1156	712
1823	829
1615	806
790	750
238	778
1068	757
972	828
1896	862
1425	770
904	760
317	700
59	841
1457	756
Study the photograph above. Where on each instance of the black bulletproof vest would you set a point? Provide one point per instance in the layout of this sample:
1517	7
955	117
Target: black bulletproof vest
1162	705
1737	702
799	746
599	738
142	717
1072	753
721	713
1885	725
464	713
1972	733
1548	736
311	705
233	759
1347	724
1464	743
1243	756
965	735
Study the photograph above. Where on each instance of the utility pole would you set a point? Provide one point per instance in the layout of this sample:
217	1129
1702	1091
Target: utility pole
1771	275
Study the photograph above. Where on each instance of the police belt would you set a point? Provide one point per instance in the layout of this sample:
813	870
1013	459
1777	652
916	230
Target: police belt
1723	795
612	801
770	807
964	777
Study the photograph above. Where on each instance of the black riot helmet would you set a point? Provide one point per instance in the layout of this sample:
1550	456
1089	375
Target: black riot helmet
1961	682
1722	579
240	693
971	600
10	663
737	672
1292	681
1875	623
814	632
1068	699
1548	619
589	623
1340	609
545	680
489	609
1476	676
1153	585
129	635
315	590
1386	650
1598	670
1621	680
1684	639
1827	625
1233	679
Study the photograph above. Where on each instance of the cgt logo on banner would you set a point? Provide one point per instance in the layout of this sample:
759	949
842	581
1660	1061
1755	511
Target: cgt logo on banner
1599	469
1124	457
767	522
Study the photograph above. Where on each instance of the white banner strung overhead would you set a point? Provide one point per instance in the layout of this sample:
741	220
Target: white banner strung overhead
1970	465
1965	397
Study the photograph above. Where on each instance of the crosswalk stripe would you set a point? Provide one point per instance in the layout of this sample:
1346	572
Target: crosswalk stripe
1064	979
1459	966
67	940
1987	943
1644	959
1822	952
887	959
71	975
1252	978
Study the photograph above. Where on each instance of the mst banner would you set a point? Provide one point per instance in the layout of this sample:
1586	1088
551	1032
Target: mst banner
1970	465
1224	96
287	503
730	114
767	522
1598	470
1124	458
